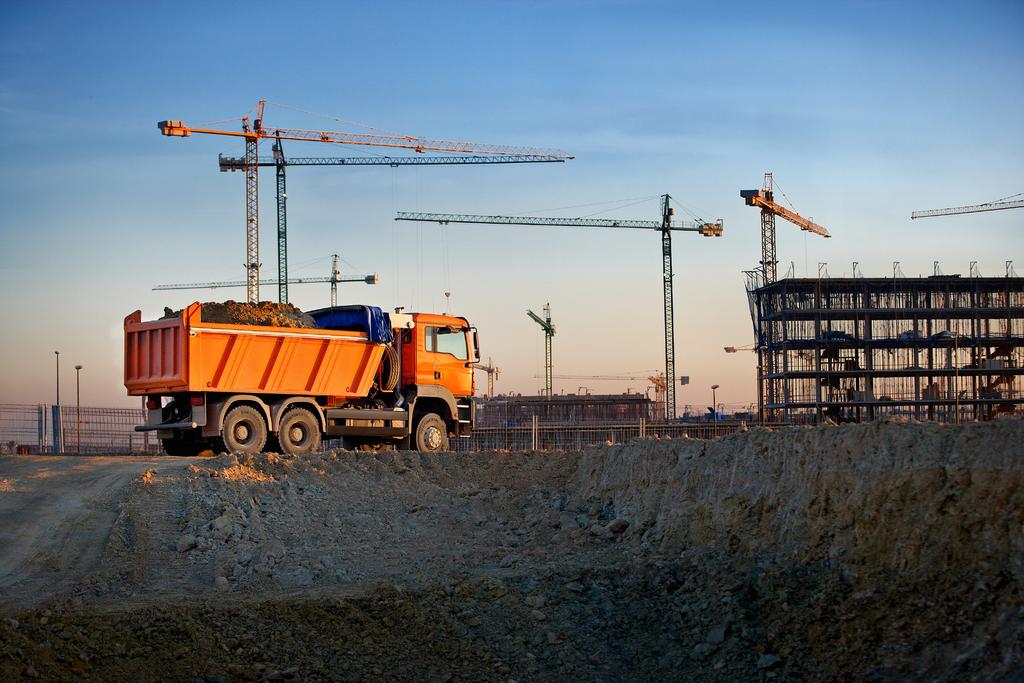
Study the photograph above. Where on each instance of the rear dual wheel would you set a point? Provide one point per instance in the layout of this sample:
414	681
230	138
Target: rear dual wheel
245	430
299	432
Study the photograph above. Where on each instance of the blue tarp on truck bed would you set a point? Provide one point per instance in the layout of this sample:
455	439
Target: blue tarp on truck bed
368	319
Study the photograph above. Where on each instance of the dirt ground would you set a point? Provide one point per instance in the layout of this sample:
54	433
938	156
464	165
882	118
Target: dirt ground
877	552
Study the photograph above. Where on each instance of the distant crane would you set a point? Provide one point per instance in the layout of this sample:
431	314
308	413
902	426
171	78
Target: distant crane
996	205
256	131
334	279
492	374
549	332
765	200
279	162
665	225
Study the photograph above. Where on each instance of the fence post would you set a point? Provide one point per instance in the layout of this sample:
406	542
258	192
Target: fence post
534	436
58	430
41	427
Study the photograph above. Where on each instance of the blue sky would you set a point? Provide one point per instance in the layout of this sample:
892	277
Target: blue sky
865	111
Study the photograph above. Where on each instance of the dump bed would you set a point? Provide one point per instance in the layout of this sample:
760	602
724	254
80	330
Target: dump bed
187	354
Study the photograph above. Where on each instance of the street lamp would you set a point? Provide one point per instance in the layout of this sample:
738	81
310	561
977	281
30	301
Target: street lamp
57	353
714	401
78	406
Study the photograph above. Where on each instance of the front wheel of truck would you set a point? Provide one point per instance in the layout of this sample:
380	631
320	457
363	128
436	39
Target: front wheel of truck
245	431
431	434
299	432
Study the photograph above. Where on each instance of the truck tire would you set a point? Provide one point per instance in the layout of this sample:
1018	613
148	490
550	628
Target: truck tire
245	431
299	432
431	434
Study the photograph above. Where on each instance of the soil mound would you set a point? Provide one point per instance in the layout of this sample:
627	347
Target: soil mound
264	313
889	551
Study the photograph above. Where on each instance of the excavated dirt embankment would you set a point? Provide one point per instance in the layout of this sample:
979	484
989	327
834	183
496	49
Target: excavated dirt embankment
885	551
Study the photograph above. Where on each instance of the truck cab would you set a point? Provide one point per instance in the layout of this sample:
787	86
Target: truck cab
438	353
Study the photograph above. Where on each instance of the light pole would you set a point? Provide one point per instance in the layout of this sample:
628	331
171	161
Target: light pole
58	427
714	401
78	407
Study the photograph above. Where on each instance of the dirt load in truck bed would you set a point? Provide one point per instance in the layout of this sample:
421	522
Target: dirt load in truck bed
264	313
876	552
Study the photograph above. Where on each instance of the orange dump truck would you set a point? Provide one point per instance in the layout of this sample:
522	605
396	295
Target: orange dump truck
371	378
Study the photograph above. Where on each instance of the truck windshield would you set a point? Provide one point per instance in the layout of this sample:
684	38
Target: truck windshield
447	340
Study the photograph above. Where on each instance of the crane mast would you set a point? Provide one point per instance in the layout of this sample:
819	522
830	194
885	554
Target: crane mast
665	225
670	333
282	223
549	332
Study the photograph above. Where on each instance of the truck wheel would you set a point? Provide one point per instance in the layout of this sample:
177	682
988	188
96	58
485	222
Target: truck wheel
299	432
244	430
431	434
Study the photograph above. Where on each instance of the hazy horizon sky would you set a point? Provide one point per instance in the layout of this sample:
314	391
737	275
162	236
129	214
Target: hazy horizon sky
865	111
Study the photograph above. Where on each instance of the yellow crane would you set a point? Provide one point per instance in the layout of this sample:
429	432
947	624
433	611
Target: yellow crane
254	130
764	199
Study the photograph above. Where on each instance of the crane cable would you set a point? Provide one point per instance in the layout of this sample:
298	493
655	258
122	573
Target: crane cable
1003	199
578	206
334	118
776	185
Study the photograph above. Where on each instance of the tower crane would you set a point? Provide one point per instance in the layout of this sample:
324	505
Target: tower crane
492	374
996	205
765	200
279	162
334	279
549	332
666	226
253	131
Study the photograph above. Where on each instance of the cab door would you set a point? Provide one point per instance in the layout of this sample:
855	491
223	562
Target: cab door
451	351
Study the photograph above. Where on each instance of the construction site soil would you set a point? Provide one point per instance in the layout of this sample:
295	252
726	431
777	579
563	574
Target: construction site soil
263	313
888	551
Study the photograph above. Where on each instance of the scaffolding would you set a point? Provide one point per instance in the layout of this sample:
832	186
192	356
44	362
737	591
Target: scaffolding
941	348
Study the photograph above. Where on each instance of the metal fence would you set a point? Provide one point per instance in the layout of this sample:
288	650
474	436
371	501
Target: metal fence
46	428
576	437
64	429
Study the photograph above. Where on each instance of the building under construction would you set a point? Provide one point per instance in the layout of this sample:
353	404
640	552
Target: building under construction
513	411
940	348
